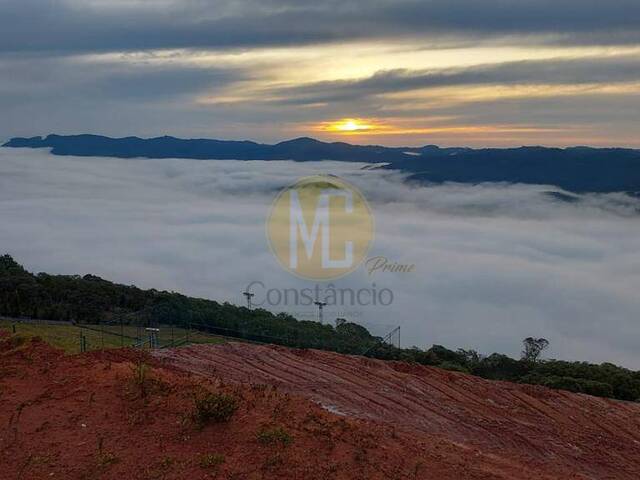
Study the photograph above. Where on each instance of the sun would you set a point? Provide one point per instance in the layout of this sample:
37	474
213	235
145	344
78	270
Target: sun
349	125
353	126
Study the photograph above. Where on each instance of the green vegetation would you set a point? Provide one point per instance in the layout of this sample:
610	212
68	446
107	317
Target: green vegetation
211	460
213	407
605	380
66	336
140	377
533	348
105	459
274	436
99	307
92	300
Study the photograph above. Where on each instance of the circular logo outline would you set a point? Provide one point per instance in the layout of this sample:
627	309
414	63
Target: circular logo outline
339	183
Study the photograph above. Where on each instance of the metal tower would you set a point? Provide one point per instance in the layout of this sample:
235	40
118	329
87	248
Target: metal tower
320	305
249	296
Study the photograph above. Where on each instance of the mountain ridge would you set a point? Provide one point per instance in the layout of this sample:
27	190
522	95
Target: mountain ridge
577	169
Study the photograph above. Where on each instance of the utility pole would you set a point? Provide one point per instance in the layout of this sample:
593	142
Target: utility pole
320	305
249	296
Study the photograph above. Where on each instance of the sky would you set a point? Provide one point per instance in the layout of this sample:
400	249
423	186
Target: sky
494	263
393	72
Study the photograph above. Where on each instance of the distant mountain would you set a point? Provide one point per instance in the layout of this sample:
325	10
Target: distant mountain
300	149
577	169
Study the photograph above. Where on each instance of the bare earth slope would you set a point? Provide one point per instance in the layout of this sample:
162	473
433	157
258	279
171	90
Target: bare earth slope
95	416
517	431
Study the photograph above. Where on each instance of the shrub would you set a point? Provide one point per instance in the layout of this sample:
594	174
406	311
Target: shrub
274	435
442	355
597	389
213	407
211	460
454	367
139	377
106	459
625	383
576	385
500	367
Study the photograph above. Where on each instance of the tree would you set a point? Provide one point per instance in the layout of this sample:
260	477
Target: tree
501	367
533	348
472	358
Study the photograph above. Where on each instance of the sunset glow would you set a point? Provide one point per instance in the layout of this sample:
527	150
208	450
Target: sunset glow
350	125
410	78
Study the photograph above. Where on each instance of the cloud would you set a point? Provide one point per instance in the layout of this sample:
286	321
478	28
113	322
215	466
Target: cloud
74	26
274	69
119	96
494	263
594	70
111	80
573	101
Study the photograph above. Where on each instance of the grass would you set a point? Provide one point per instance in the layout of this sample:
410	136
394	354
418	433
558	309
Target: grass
67	337
140	377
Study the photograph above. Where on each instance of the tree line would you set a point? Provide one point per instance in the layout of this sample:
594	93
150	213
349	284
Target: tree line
92	300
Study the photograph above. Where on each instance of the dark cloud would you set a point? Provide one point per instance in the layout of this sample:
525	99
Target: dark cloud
155	83
71	27
74	26
128	79
74	94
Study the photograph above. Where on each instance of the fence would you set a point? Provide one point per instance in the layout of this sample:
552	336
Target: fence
79	338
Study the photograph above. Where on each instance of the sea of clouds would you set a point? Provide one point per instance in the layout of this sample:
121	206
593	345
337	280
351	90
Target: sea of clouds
493	263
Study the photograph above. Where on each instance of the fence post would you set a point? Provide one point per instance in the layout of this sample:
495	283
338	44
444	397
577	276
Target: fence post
83	342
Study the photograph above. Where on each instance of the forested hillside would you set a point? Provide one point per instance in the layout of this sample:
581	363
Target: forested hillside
90	299
93	300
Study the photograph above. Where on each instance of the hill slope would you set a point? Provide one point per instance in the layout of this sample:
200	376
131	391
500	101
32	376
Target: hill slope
92	300
102	416
547	434
579	169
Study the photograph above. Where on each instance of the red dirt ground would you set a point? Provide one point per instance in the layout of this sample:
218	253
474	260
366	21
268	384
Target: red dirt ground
510	431
85	417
